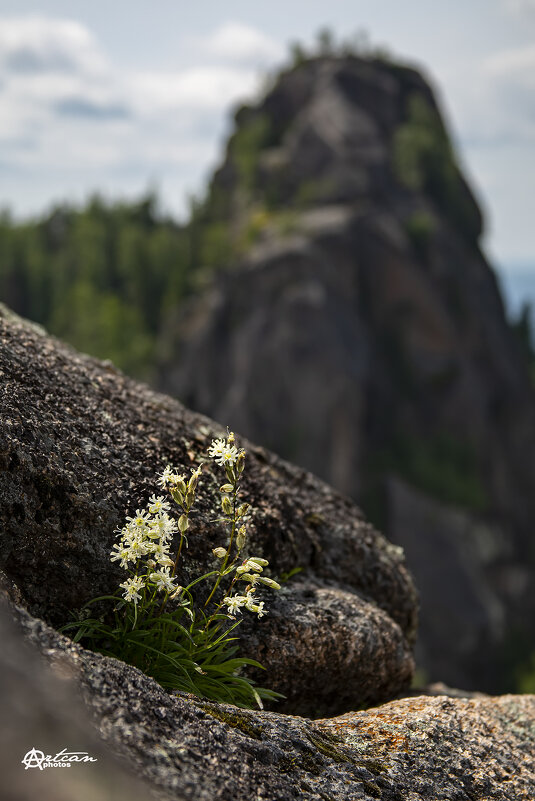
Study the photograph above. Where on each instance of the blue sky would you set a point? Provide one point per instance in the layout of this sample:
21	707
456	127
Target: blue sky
119	96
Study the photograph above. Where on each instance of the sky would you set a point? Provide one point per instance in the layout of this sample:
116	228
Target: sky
123	96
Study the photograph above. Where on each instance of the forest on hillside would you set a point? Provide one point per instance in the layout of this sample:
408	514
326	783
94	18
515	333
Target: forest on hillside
101	277
104	277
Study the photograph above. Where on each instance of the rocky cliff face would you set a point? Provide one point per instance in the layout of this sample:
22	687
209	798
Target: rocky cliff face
79	444
361	334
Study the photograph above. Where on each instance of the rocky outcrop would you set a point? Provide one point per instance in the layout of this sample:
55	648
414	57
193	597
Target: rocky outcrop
363	336
153	745
80	445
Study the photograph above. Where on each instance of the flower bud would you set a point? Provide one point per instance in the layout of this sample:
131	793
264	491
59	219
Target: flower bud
183	523
219	552
260	561
243	509
194	480
226	505
240	462
253	564
269	582
241	537
226	488
177	496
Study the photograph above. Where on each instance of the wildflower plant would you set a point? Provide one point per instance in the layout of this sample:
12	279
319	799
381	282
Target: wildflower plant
184	636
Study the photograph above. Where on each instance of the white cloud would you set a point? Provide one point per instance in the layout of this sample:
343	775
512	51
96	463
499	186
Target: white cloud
38	44
241	44
196	88
72	119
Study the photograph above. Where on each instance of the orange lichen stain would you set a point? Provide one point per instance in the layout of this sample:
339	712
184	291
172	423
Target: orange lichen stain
383	731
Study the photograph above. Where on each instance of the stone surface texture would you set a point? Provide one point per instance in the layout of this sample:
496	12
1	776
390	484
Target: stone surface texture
80	446
78	442
178	748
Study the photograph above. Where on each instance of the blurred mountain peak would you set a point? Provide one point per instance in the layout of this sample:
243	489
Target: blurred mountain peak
351	323
338	130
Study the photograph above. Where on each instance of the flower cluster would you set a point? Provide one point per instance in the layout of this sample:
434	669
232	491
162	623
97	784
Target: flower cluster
249	571
225	453
183	636
144	547
234	603
145	543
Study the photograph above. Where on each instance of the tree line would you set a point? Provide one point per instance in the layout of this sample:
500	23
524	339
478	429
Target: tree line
102	277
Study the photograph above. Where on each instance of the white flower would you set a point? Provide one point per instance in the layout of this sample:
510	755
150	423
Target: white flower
159	549
222	452
132	533
172	480
259	609
131	587
217	448
157	505
163	526
122	553
252	606
136	549
163	580
140	521
234	603
166	478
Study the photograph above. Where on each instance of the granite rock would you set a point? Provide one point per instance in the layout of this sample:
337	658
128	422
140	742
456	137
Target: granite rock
179	747
80	445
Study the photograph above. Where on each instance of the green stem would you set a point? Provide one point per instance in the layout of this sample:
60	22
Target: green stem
232	533
164	603
179	550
